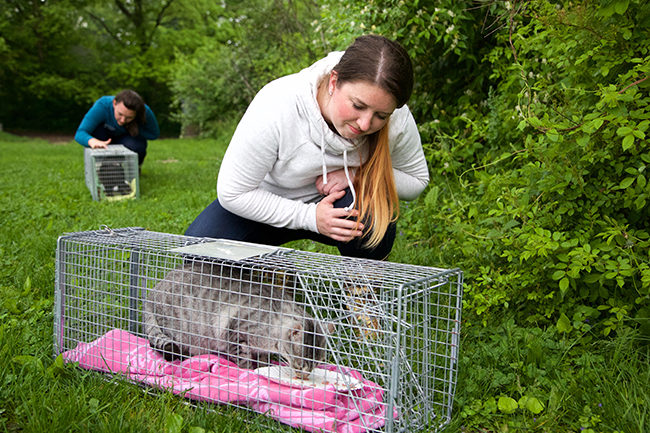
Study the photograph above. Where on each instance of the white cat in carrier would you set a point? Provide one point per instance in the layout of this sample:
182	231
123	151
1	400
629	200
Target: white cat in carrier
316	341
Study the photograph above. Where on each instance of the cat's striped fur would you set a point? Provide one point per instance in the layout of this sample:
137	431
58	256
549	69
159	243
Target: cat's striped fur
200	309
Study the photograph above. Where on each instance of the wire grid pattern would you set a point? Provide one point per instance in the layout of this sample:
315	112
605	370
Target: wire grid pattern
112	173
396	324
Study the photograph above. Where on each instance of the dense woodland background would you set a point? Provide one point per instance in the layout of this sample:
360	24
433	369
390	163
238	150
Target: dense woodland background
534	117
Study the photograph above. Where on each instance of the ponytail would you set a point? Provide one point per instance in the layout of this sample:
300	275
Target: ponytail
378	202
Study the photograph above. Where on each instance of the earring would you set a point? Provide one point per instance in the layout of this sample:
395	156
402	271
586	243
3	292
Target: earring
331	92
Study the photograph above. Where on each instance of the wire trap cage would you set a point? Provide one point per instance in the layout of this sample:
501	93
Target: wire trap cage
316	341
112	173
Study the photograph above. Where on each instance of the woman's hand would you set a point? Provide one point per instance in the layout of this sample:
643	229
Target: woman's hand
96	143
336	181
334	222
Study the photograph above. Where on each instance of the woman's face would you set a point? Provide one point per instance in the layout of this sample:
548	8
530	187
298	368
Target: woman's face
357	108
123	115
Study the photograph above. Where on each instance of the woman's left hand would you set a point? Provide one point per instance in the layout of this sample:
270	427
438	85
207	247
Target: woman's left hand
337	223
336	181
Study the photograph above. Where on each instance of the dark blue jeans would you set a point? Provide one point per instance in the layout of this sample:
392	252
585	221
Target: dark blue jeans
136	144
217	222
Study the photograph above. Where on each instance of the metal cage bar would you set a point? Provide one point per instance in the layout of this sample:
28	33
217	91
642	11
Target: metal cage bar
112	173
395	326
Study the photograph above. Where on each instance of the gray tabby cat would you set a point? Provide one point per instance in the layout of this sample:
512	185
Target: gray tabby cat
199	309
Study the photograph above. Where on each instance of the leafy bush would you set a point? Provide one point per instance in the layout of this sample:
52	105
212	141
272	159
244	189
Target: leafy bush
533	117
544	192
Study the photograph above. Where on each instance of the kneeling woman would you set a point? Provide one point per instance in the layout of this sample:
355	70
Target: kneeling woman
324	154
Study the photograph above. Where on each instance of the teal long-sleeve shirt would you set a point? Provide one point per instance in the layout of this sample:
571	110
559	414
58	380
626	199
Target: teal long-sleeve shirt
102	113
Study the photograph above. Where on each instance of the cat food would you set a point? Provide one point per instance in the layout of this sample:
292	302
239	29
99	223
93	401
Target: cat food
318	378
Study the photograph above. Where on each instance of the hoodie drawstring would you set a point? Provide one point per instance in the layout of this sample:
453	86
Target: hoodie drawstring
347	176
345	169
322	154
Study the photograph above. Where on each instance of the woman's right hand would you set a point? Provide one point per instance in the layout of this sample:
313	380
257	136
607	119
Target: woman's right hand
95	143
335	222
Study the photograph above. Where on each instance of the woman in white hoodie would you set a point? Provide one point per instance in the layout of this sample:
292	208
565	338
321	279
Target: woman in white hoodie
324	154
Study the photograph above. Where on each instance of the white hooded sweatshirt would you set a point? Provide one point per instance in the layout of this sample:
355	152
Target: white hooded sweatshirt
282	144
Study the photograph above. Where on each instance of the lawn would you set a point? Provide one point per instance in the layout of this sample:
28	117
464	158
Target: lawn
511	378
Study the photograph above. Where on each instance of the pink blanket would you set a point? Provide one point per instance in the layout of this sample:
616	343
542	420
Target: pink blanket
214	379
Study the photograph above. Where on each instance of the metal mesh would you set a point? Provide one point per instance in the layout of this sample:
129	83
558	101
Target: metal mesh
396	324
112	173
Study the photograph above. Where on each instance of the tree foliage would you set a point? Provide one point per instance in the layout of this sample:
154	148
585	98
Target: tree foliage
195	62
244	46
557	196
539	165
533	115
60	55
38	70
534	118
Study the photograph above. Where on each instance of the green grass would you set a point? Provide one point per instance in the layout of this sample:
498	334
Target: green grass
588	384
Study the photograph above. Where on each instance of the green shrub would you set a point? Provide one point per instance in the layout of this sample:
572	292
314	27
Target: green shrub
543	196
533	116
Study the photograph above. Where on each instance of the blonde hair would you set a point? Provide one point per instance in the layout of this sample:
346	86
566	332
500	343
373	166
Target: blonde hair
377	199
386	64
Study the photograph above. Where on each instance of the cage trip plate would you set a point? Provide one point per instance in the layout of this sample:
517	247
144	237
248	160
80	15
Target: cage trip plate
225	249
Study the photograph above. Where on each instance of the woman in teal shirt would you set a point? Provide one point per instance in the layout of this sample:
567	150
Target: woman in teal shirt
121	119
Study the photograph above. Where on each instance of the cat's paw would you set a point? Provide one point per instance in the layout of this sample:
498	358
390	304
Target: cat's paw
247	364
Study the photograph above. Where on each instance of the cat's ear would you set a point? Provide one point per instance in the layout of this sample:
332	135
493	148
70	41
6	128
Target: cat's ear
329	327
296	332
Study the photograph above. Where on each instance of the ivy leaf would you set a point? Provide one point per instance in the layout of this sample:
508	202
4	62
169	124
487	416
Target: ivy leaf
173	423
534	405
564	284
558	274
628	141
621	6
531	404
625	183
564	324
507	404
623	131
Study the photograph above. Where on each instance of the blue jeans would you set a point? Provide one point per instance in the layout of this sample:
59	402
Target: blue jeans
136	144
217	222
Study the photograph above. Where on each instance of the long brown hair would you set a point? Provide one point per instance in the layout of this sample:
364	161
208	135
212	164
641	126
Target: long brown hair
386	64
133	101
